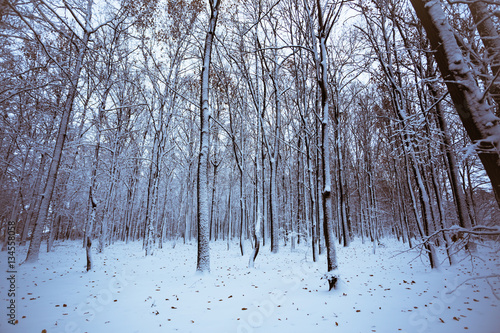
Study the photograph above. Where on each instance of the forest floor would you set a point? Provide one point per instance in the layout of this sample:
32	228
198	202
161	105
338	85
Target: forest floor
390	291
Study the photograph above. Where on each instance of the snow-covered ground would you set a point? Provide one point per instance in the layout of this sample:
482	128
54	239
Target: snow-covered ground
127	292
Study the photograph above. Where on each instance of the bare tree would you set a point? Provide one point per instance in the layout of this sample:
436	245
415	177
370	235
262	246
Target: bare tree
325	24
203	264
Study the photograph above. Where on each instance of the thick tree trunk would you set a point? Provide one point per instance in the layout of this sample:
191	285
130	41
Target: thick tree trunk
203	262
322	76
482	126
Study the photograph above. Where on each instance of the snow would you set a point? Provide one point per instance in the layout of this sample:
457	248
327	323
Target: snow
391	291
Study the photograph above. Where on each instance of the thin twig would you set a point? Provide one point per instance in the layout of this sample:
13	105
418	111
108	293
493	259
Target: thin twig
475	278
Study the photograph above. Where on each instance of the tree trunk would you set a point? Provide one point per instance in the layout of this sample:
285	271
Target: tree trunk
151	215
312	194
88	248
322	77
259	188
482	126
203	262
274	158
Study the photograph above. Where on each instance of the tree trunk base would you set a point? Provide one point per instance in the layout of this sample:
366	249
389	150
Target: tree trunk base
332	280
89	254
